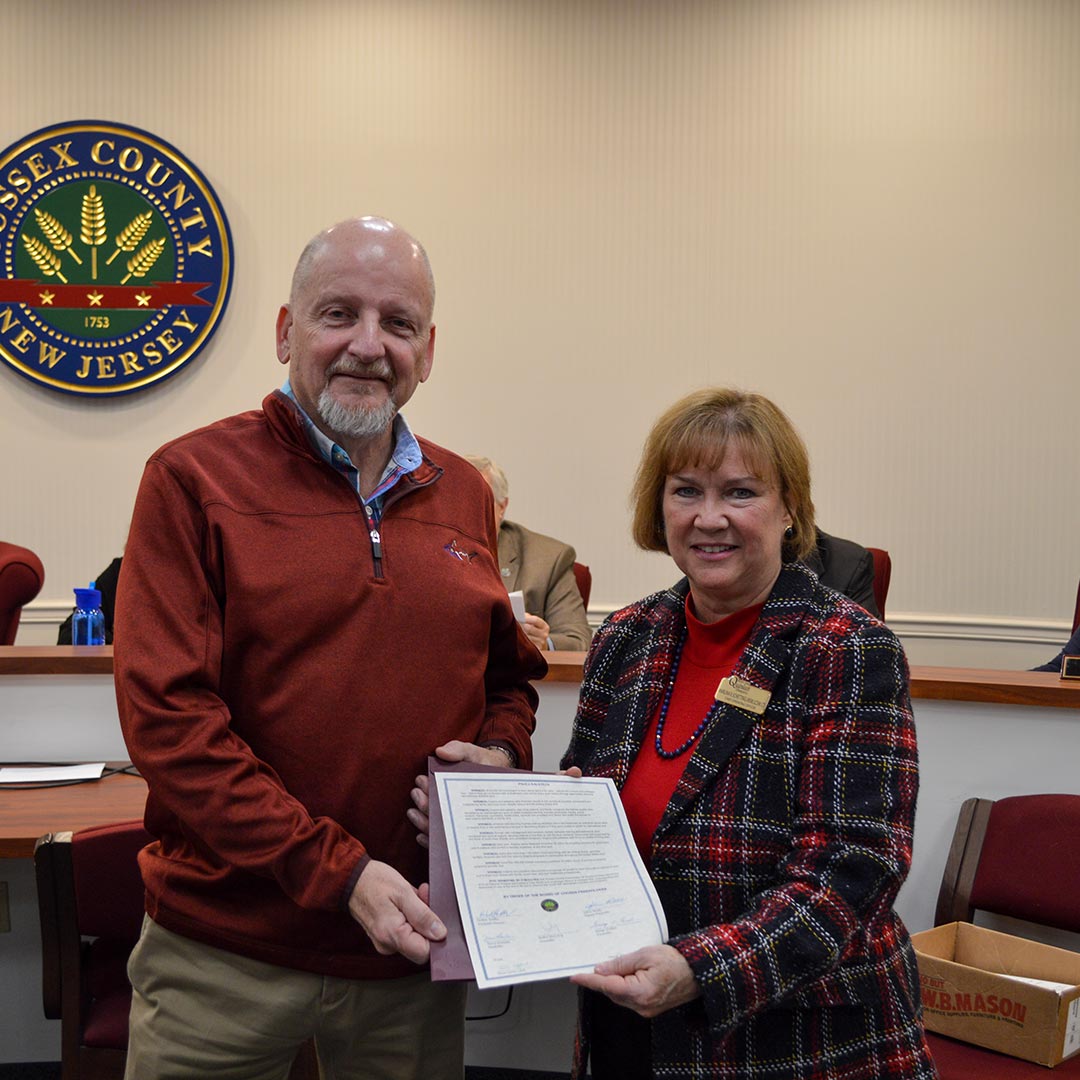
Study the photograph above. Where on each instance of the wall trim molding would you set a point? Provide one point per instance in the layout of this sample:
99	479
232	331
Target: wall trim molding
1054	632
941	627
46	611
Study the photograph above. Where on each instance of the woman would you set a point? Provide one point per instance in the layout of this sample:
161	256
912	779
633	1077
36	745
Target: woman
759	727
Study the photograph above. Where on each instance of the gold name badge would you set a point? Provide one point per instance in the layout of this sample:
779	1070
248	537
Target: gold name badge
743	695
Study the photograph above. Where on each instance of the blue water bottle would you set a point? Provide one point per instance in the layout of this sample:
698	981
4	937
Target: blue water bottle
88	621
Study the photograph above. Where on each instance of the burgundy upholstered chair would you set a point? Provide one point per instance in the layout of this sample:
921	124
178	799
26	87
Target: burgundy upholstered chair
1020	857
882	576
90	902
583	577
21	578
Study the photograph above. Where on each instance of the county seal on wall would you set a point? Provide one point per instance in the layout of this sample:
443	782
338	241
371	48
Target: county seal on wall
117	258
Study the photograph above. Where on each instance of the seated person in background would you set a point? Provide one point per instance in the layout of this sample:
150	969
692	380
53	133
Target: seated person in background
1072	648
105	583
542	568
845	566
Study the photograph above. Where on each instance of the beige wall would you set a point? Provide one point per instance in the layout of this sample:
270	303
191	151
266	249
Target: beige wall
867	209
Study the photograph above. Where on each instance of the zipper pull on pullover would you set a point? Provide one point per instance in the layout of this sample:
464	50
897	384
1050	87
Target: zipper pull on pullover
376	539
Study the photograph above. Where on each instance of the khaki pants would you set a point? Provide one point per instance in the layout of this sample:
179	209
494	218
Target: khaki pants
199	1012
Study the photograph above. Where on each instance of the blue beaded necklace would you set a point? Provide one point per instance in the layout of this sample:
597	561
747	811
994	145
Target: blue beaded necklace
668	755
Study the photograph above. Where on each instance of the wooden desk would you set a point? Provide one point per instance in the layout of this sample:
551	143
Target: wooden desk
27	813
56	659
1041	688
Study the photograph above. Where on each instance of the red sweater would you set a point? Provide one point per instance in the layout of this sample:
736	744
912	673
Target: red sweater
279	688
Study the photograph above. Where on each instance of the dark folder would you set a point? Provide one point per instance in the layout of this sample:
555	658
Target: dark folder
450	958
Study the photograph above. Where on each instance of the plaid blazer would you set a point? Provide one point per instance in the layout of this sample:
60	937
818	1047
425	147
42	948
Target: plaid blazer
788	835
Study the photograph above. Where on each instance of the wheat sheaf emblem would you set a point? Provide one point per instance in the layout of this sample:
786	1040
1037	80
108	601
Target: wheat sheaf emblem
58	242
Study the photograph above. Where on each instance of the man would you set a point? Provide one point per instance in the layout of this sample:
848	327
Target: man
309	605
542	568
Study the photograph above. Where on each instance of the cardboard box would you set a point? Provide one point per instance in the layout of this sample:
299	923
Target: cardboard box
1006	993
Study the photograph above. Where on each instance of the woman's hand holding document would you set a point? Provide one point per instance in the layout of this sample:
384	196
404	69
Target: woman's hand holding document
548	880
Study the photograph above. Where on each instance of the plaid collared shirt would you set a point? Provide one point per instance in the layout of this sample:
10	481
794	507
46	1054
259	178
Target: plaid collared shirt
406	456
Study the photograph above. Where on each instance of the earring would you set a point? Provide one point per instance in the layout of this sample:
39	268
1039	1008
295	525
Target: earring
789	533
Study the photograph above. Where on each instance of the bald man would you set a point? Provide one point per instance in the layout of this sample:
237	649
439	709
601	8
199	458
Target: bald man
309	605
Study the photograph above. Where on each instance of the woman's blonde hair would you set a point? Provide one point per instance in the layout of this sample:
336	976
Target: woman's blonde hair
696	432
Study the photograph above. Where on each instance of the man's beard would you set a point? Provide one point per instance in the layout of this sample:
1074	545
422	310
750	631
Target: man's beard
358	422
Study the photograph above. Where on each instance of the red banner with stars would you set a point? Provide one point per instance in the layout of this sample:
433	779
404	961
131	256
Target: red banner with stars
39	294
